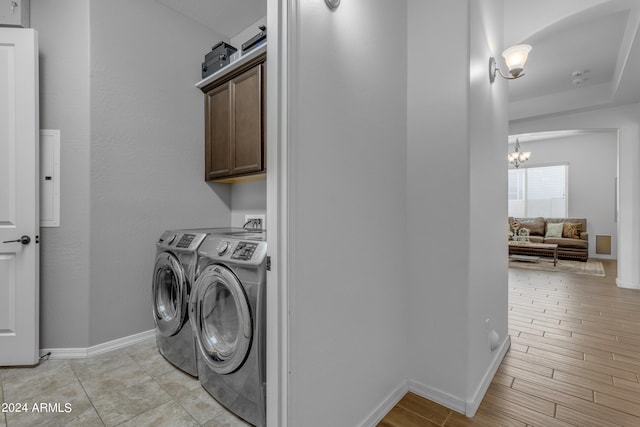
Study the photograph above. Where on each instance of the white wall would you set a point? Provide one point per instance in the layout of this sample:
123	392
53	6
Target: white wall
63	33
244	35
456	181
146	153
347	239
438	193
592	160
627	120
488	279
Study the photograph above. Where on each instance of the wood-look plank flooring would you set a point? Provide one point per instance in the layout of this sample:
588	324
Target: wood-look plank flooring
574	358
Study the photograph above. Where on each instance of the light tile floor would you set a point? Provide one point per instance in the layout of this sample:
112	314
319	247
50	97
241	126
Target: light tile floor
134	387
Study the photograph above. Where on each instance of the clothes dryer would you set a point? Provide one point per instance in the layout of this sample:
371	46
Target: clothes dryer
227	309
173	276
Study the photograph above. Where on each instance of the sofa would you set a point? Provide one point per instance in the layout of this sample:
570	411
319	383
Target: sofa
571	237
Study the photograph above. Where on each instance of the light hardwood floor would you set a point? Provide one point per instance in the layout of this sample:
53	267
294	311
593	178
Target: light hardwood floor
574	358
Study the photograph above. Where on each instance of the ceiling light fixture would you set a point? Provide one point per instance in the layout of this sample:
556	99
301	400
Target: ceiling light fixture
517	157
515	58
332	4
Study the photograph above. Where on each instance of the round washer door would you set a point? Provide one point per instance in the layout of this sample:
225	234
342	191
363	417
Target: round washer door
169	294
221	319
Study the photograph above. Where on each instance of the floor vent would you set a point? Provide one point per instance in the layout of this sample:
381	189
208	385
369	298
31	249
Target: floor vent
603	245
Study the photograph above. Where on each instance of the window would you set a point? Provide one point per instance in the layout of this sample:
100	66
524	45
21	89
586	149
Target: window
538	191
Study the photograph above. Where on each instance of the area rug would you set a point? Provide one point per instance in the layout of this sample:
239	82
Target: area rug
590	268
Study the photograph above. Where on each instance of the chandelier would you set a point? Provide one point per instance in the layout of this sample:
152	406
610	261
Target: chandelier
518	157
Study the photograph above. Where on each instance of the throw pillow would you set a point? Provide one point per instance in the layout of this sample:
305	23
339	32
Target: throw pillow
554	229
535	225
571	230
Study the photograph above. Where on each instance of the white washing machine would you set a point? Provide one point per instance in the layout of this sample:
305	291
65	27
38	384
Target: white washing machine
173	275
227	309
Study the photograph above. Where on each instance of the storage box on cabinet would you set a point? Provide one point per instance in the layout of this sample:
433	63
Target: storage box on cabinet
234	123
219	57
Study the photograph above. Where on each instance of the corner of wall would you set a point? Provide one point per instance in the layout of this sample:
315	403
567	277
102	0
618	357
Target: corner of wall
472	405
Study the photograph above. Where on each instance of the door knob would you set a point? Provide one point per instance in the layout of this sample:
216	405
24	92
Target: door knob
25	240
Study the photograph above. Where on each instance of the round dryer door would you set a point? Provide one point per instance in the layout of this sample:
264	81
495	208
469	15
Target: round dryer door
169	294
221	319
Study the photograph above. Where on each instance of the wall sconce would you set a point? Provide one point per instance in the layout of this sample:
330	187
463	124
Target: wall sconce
514	57
332	4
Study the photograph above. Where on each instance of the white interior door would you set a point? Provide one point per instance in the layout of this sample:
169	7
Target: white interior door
19	216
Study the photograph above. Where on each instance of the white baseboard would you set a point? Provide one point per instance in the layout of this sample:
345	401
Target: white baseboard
627	285
81	353
387	404
437	396
472	405
468	408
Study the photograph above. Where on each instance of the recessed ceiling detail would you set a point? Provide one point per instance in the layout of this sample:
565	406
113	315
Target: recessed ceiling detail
583	59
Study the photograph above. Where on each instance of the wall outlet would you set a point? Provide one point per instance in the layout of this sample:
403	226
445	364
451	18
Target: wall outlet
254	221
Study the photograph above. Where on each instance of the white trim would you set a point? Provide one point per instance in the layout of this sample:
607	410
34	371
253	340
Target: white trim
473	404
65	353
50	144
279	17
627	285
437	396
386	405
469	407
81	353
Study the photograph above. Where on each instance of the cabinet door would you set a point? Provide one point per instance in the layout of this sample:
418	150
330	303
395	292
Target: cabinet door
218	132
247	130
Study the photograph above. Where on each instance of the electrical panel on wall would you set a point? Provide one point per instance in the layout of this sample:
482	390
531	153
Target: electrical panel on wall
49	178
14	13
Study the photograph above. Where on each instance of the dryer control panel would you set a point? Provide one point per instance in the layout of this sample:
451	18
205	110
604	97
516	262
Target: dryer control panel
244	251
237	251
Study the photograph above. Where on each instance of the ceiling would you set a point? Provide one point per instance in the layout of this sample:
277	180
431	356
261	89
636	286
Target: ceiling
597	38
225	17
595	41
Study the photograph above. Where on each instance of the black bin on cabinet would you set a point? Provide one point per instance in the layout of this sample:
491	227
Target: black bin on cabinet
219	56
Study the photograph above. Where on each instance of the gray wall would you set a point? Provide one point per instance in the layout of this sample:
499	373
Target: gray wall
401	167
117	79
348	323
63	33
146	153
244	35
248	198
488	280
456	184
438	193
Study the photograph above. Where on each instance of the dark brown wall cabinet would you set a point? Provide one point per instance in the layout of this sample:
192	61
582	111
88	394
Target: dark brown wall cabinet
234	124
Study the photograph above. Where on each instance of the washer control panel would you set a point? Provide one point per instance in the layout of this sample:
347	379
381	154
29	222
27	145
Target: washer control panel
183	240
